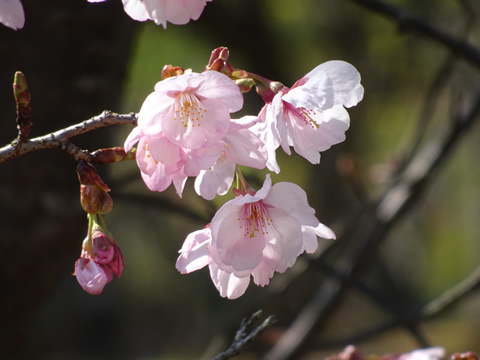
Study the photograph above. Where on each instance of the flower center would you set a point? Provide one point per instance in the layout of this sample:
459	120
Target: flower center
188	109
303	114
254	218
306	115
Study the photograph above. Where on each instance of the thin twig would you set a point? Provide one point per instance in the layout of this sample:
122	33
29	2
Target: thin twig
59	139
412	22
242	339
424	312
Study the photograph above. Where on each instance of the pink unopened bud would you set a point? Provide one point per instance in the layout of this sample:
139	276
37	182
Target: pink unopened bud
90	275
102	247
218	61
94	195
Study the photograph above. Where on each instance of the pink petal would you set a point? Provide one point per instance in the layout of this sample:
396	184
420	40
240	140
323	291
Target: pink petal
284	241
132	138
216	181
293	200
156	107
316	93
203	158
180	12
91	276
221	88
345	79
164	151
194	252
11	14
236	248
246	149
228	284
244	122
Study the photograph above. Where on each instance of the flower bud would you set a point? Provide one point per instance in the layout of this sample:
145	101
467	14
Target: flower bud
91	276
218	61
24	107
169	71
102	247
100	259
93	191
111	155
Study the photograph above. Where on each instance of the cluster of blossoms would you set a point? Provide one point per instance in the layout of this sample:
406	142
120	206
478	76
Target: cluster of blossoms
185	130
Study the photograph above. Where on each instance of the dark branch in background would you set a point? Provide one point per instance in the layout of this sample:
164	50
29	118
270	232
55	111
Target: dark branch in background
411	22
427	311
379	216
60	139
243	339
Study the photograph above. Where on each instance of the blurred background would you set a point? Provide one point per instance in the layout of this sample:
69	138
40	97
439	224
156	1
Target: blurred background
81	59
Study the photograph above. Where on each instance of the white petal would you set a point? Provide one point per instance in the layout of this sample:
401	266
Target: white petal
194	252
216	181
346	81
228	284
220	87
246	149
136	10
316	93
293	200
11	14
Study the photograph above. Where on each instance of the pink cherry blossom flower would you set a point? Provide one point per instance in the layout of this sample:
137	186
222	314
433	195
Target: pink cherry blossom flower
311	116
192	110
11	14
177	12
254	235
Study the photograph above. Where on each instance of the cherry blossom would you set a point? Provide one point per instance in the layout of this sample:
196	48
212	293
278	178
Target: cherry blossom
255	234
311	116
11	14
191	110
177	12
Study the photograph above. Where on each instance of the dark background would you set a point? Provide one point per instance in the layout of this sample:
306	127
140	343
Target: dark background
80	59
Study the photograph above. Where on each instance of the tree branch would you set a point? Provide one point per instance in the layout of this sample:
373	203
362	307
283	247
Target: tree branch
412	22
60	139
242	339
